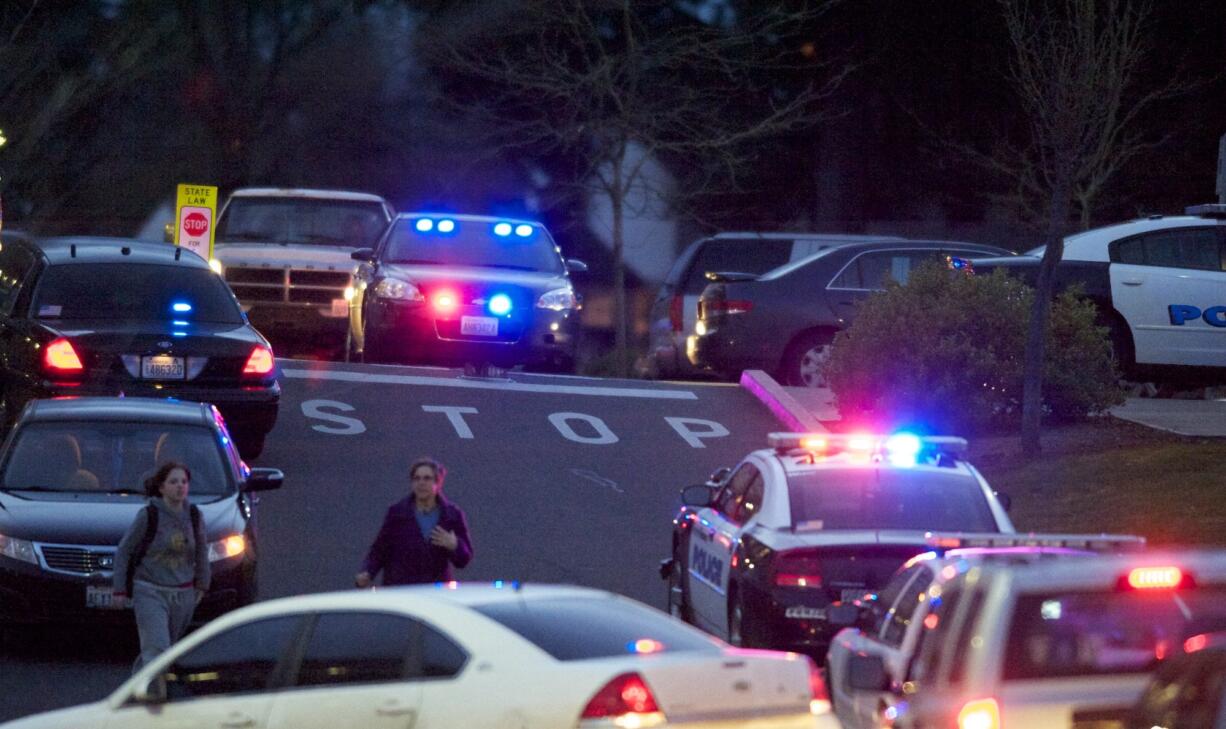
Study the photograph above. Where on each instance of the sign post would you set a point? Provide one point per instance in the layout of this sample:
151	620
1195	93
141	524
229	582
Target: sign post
1221	170
196	213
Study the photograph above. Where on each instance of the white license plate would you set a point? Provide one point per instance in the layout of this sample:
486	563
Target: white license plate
479	326
102	598
340	307
161	367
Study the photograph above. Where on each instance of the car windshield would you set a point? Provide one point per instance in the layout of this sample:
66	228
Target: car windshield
134	292
475	243
575	629
302	220
1103	633
112	457
869	497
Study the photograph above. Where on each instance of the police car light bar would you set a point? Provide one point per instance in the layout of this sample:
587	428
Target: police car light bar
1208	211
868	444
1089	542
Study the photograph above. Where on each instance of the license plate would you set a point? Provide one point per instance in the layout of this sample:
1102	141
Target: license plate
479	326
852	594
340	307
101	597
161	367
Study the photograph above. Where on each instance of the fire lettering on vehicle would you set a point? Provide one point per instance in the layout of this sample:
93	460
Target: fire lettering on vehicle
707	566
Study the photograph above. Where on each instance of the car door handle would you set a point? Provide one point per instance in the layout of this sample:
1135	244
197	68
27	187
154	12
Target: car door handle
1133	281
395	709
237	721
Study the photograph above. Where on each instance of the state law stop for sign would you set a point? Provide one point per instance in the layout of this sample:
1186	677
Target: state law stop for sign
197	211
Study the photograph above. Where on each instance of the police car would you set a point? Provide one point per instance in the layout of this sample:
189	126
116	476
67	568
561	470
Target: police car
1159	282
867	663
1065	643
759	553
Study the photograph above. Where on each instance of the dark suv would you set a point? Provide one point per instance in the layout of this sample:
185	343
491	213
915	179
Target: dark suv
466	289
71	475
105	316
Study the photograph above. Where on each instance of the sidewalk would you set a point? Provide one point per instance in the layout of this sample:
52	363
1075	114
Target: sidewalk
806	409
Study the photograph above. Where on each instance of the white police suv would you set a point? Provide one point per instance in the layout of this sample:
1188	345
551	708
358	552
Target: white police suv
1159	282
761	552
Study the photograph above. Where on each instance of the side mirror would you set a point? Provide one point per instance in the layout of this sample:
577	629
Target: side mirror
699	495
151	693
867	673
366	255
1006	501
168	233
264	479
719	474
574	265
843	614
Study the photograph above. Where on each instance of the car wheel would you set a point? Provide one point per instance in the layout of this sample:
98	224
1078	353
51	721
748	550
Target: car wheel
676	594
248	590
1121	346
736	621
250	445
806	358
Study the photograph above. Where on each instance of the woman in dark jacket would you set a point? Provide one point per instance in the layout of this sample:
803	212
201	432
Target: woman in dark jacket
422	535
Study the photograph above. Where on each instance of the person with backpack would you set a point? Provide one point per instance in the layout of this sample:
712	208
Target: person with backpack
162	562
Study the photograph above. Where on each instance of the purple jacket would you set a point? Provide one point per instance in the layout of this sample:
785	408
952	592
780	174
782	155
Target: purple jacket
406	557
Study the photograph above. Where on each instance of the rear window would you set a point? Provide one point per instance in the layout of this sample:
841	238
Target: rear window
576	629
302	221
474	243
110	457
1105	633
134	292
741	256
886	498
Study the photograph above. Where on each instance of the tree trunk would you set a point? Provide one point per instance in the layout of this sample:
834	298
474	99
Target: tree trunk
621	330
1036	333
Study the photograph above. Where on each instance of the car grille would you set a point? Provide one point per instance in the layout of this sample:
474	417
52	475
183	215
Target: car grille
287	285
77	559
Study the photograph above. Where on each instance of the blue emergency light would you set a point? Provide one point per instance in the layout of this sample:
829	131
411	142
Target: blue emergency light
500	304
424	225
502	229
523	230
181	306
446	226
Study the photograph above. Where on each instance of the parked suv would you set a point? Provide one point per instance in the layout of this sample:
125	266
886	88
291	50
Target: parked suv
285	253
673	313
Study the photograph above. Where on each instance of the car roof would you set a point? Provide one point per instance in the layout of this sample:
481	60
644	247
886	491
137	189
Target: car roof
306	193
468	217
141	409
801	463
1207	567
100	249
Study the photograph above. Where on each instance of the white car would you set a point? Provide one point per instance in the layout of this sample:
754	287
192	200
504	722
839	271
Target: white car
1059	644
1159	283
867	664
500	655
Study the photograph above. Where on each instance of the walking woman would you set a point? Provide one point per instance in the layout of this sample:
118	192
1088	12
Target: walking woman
162	562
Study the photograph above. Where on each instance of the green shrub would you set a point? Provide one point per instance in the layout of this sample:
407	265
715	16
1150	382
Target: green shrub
946	350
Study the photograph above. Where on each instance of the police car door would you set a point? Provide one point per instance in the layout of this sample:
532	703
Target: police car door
711	543
1170	287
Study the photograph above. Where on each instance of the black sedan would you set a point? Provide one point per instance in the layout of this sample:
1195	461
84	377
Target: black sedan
785	320
105	316
466	289
71	475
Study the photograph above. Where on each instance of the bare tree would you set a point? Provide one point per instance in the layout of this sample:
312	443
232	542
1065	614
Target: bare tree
1074	69
617	84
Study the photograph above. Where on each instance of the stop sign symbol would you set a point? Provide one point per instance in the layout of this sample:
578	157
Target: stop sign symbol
195	224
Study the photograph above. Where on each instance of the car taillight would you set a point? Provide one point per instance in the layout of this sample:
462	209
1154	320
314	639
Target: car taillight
819	699
626	699
1156	578
675	317
445	302
797	569
60	358
259	362
727	306
979	714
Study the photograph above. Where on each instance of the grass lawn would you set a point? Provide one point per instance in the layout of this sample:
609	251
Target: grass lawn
1110	475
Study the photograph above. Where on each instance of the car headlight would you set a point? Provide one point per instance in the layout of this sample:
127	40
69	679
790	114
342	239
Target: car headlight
18	549
394	288
558	299
217	267
231	546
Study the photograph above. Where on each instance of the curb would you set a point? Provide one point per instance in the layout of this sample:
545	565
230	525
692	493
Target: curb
785	407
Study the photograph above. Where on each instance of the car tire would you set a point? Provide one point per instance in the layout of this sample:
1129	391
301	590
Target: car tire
1122	350
675	603
248	591
250	445
805	358
736	621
